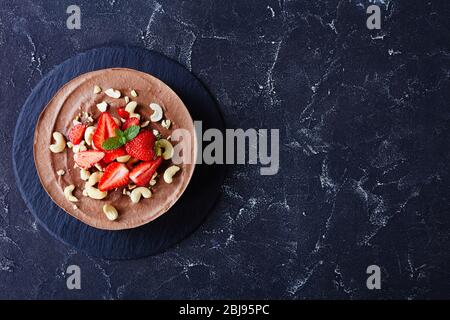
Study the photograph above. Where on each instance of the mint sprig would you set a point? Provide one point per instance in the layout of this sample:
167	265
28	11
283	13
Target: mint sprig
121	138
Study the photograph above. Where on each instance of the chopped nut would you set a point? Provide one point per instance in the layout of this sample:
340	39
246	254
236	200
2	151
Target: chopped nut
133	93
99	167
76	122
113	93
60	172
127	99
84	174
145	124
97	89
79	147
117	121
75	207
110	212
68	193
152	182
123	159
166	124
157	112
102	106
69	144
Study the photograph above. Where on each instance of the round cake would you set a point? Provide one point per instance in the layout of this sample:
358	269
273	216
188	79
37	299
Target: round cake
116	168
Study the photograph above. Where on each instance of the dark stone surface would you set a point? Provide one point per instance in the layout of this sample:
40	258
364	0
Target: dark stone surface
364	123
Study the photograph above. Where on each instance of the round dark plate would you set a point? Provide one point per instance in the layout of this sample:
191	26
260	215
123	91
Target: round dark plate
176	224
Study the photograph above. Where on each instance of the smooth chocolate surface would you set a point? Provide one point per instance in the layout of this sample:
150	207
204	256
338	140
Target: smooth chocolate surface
77	96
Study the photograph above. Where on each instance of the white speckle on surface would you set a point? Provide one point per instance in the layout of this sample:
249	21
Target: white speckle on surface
272	12
393	52
6	265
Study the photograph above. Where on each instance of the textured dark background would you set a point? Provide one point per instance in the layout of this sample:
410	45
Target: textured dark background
364	119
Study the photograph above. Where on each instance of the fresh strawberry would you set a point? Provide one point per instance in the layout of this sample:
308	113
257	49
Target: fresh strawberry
123	113
143	172
86	159
76	133
111	155
115	176
141	147
130	163
106	128
133	121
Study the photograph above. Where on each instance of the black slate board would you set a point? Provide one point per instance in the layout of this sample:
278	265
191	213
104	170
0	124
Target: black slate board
181	220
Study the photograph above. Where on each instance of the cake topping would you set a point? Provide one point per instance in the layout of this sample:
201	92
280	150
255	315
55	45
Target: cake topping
97	89
113	93
157	112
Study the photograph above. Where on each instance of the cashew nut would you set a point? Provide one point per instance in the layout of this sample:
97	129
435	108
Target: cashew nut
166	123
68	193
157	112
117	121
113	93
169	173
136	194
168	149
97	89
60	143
102	106
89	134
84	174
94	193
130	107
79	147
110	212
94	178
123	159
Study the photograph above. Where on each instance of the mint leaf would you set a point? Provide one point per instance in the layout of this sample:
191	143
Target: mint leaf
131	132
113	143
119	133
121	138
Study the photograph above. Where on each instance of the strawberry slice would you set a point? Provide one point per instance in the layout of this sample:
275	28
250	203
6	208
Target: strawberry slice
141	147
111	155
86	159
115	176
143	172
106	128
123	113
130	163
130	122
76	134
